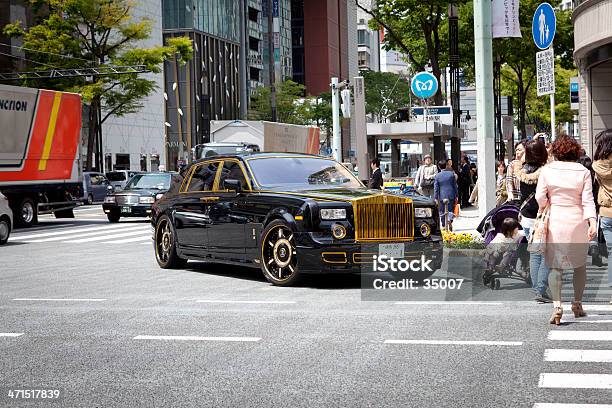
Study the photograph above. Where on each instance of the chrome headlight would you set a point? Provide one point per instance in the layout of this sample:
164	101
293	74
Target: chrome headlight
159	196
422	212
109	199
146	200
425	230
332	213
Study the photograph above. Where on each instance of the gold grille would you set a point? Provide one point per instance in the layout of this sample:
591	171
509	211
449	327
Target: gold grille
383	218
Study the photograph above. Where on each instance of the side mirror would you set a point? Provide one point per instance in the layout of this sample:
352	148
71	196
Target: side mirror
232	185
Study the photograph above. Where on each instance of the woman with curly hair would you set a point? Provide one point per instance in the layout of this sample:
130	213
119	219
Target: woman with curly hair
565	188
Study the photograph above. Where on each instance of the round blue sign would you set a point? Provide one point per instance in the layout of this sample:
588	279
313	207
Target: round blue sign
424	85
544	26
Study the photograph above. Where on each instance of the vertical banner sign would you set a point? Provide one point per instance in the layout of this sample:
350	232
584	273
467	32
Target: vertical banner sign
505	18
545	68
574	93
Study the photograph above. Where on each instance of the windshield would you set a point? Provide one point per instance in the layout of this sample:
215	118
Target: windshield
149	182
301	172
115	176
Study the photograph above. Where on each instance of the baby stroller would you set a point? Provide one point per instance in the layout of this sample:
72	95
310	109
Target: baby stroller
501	261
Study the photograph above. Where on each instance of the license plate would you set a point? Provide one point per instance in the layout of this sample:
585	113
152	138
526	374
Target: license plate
126	210
391	250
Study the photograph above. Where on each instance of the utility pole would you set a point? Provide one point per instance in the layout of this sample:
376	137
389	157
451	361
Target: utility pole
271	60
483	40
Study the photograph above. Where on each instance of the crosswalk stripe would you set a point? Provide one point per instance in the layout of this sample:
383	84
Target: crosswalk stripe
88	234
147	239
587	356
561	405
11	334
594	308
586	335
575	380
107	237
17	237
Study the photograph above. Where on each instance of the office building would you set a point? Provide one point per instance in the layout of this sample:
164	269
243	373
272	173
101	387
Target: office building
210	85
593	57
368	41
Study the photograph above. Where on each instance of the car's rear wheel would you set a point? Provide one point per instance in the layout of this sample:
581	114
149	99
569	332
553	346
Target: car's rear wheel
113	216
26	214
279	255
5	230
165	245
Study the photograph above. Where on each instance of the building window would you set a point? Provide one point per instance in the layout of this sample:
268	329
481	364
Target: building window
363	37
143	162
122	161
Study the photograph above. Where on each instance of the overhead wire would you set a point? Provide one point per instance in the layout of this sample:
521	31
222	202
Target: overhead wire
44	52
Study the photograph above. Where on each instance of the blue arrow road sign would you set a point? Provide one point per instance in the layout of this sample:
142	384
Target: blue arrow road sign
544	26
424	85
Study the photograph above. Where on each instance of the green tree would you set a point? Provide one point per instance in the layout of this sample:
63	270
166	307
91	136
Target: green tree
97	33
288	101
385	93
419	30
518	57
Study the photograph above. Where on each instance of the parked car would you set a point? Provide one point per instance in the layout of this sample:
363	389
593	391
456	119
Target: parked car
288	214
139	194
6	219
95	187
202	151
119	178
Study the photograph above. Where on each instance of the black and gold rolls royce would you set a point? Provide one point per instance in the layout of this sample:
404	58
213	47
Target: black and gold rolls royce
288	214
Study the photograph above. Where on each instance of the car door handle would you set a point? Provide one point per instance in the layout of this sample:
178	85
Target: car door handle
206	199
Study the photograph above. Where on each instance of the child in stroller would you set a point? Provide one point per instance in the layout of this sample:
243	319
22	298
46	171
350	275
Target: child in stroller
506	244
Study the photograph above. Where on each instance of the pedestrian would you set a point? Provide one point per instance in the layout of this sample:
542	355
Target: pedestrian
376	180
603	172
445	188
513	187
594	244
501	194
424	181
535	159
474	184
465	180
564	189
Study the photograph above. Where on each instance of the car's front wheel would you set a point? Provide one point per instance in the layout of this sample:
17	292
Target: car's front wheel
165	245
279	255
113	216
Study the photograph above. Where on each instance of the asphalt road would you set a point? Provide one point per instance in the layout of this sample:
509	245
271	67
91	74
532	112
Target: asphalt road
85	309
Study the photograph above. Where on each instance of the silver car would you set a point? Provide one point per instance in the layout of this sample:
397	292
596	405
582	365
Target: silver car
6	220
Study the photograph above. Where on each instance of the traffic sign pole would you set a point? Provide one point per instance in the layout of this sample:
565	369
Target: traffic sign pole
553	126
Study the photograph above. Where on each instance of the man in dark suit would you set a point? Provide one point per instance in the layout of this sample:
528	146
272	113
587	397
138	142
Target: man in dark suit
465	180
376	181
445	188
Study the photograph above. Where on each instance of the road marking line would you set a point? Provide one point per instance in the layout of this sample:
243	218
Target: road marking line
585	321
85	235
272	302
595	308
57	300
573	380
540	405
67	232
125	241
580	335
449	302
457	342
11	334
197	338
107	237
590	356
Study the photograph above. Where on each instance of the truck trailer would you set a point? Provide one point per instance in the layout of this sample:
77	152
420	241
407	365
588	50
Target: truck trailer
40	169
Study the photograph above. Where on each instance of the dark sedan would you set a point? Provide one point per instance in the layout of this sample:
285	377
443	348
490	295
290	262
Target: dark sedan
138	196
288	214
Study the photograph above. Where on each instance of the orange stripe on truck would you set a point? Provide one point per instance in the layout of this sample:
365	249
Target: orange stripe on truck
42	164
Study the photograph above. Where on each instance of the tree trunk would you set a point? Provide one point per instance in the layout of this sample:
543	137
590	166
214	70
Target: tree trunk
92	135
521	106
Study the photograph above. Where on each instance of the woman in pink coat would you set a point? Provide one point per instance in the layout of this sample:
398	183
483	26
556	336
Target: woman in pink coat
566	187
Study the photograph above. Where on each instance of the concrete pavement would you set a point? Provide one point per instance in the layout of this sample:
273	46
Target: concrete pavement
102	323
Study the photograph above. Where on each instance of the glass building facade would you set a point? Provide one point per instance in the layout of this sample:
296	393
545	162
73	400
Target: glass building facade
208	87
219	18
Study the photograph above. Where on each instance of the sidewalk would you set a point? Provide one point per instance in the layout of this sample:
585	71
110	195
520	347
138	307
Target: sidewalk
467	221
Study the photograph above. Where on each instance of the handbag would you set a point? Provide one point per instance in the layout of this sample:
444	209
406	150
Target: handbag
456	210
537	239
